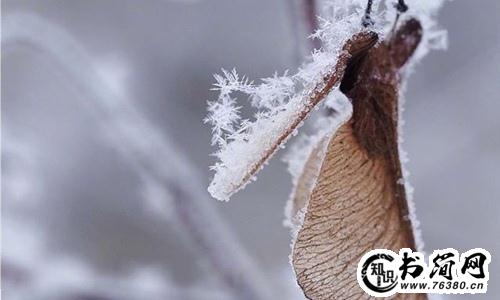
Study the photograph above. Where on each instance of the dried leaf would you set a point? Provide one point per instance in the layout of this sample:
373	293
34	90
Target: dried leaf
358	202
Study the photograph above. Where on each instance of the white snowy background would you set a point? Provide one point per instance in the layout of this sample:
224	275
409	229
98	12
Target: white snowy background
80	220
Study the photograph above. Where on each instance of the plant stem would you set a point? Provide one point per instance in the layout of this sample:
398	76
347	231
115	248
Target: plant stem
149	153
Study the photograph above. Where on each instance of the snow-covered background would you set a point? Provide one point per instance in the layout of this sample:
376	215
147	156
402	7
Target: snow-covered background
80	219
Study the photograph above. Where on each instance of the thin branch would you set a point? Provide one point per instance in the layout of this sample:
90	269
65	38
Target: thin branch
401	7
47	280
297	48
303	23
149	153
311	20
367	19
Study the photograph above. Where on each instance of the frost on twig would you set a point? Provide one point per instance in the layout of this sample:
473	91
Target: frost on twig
283	102
244	150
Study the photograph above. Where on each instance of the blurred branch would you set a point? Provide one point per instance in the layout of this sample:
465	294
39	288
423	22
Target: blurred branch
298	49
71	279
310	19
303	23
155	158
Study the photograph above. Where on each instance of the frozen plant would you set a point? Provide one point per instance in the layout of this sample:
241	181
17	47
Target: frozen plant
351	193
283	102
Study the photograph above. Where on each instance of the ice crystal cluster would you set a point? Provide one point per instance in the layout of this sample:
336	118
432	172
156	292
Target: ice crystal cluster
244	145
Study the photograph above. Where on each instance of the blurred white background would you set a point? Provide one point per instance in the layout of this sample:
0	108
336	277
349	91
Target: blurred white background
79	221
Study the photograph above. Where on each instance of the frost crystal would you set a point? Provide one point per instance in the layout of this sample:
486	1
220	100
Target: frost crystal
246	144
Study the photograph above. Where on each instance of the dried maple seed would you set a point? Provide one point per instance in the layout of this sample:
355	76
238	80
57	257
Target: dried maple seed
358	202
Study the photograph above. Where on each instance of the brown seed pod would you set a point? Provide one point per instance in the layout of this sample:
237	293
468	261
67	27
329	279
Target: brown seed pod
358	202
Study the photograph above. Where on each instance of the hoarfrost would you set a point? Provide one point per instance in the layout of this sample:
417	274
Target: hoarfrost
245	145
